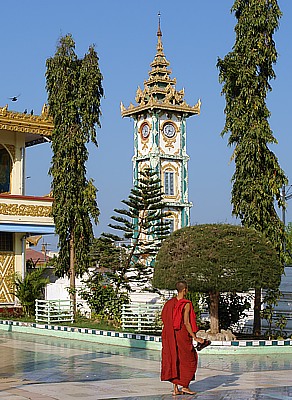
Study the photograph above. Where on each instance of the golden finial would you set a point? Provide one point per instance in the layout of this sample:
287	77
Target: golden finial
159	35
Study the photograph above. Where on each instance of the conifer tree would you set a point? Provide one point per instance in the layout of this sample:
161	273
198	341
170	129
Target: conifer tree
144	227
245	73
74	89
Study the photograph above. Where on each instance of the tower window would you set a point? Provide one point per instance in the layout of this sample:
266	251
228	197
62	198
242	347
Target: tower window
6	241
170	221
168	183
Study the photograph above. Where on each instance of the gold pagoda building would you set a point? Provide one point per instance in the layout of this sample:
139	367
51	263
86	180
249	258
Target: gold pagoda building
21	216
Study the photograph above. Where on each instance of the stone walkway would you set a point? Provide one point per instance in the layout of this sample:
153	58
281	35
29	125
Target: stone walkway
44	368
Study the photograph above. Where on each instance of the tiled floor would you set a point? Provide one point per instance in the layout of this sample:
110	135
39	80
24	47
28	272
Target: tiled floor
43	368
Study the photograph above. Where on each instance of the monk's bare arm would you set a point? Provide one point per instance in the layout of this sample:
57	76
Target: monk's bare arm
188	324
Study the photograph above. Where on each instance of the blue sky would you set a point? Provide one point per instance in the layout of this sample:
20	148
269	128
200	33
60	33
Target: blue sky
195	34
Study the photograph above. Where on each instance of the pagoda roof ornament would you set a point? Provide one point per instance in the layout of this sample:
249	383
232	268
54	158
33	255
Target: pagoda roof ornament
35	128
159	89
159	35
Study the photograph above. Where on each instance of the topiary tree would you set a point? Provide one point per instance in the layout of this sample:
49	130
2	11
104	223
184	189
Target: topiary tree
217	258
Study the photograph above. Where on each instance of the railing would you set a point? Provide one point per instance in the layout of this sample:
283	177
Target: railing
52	311
284	308
142	317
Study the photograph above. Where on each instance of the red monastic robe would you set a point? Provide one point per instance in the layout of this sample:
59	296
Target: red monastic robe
179	357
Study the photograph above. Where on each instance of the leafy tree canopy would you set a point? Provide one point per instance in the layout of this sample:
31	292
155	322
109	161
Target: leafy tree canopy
288	244
217	258
74	92
245	73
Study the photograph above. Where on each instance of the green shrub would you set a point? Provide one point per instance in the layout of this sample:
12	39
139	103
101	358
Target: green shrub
29	289
104	300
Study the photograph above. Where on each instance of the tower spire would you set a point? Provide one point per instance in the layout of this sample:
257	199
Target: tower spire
159	30
159	89
159	36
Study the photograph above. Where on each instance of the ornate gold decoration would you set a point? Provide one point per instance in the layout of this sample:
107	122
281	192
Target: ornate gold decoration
25	210
51	194
45	111
6	277
143	166
145	143
169	141
33	240
159	89
171	167
20	122
3	110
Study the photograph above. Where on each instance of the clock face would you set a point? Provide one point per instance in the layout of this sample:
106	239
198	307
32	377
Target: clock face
169	130
145	131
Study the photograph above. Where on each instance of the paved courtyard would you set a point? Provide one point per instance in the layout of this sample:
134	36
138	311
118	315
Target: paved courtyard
44	368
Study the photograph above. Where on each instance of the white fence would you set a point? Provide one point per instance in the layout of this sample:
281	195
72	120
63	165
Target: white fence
284	308
142	317
52	311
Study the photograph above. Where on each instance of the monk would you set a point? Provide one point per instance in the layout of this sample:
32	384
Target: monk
179	357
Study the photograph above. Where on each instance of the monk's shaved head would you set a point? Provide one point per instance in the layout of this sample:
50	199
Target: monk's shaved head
181	285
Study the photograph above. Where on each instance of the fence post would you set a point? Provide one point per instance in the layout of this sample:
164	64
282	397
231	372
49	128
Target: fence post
139	318
123	316
36	309
48	305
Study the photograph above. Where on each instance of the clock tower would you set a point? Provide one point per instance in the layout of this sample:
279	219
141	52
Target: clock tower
160	116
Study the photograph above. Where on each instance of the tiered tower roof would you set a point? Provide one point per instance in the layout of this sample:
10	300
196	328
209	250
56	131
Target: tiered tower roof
159	89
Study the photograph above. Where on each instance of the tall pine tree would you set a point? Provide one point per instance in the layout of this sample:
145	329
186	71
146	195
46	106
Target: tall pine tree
74	89
144	227
245	73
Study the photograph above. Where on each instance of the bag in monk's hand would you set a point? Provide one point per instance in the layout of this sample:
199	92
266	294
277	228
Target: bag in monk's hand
201	346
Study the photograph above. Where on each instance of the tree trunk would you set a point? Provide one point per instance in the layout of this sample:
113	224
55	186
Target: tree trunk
72	275
214	307
257	312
